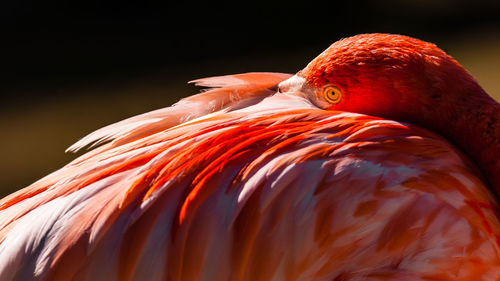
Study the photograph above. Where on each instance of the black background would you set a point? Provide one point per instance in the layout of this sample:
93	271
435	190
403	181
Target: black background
47	43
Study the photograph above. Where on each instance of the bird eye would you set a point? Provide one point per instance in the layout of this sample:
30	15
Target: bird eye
332	94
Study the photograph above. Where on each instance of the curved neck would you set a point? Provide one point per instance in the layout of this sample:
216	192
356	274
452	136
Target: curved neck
476	129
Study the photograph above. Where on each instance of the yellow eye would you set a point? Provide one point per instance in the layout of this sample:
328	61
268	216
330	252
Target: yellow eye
332	94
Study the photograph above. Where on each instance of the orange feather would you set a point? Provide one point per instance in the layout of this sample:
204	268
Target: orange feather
260	178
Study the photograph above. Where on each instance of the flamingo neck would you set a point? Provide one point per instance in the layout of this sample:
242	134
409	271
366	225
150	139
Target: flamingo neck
476	129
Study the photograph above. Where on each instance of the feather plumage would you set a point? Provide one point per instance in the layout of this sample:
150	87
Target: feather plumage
250	185
242	182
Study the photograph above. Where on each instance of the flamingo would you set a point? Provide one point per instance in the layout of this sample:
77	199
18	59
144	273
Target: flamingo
377	161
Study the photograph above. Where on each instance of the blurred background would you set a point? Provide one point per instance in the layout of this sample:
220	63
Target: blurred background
70	68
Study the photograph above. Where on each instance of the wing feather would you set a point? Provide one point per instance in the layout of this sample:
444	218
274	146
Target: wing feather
229	89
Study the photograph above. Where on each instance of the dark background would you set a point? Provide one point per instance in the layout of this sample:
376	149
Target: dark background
68	68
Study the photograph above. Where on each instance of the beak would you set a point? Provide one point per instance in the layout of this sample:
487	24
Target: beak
298	87
295	85
292	84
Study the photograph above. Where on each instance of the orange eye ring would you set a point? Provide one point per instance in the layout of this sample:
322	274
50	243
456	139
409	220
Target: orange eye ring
332	94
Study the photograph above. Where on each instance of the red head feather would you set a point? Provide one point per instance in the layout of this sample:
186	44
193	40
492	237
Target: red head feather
406	79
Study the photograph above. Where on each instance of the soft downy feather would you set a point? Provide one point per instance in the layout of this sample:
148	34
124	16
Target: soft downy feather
257	185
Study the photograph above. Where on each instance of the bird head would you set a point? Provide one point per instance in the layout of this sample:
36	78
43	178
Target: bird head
405	79
385	75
